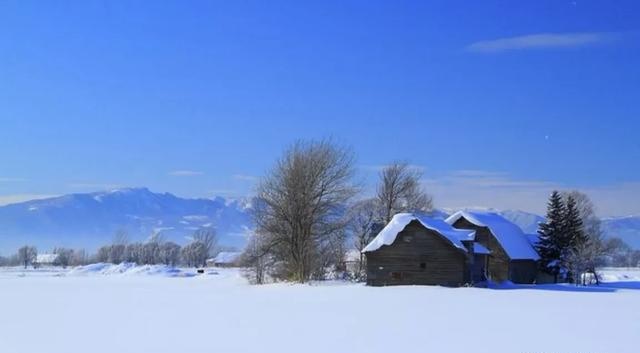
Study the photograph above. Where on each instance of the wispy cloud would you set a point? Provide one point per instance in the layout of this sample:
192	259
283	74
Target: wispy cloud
541	41
466	188
94	186
244	177
11	180
372	168
185	173
489	189
16	198
225	193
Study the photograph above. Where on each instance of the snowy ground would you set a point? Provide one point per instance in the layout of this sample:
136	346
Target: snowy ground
156	310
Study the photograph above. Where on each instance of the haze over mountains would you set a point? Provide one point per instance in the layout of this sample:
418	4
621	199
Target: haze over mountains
91	220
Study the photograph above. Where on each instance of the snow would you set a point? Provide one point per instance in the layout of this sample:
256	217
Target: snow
510	236
227	257
121	313
128	269
480	249
46	258
388	235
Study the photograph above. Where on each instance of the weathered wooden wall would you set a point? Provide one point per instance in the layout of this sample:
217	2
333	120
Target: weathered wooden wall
500	266
498	263
400	263
523	271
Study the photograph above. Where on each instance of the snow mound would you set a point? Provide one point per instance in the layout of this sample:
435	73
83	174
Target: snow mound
388	235
129	269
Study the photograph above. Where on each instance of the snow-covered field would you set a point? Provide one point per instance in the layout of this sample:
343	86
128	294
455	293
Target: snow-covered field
155	309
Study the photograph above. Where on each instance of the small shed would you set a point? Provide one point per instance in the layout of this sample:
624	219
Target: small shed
512	256
225	259
46	260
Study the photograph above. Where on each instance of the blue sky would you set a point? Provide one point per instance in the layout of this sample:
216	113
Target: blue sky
499	102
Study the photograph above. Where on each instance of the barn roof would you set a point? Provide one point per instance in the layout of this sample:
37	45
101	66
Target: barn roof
480	249
510	236
226	257
388	235
46	258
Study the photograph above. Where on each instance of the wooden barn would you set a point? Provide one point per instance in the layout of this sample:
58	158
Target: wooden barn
512	256
415	249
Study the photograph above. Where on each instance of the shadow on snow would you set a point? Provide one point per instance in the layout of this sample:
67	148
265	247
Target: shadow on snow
608	287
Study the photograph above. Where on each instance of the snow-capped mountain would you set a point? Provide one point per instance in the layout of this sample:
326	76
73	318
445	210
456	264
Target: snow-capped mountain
625	228
527	221
91	220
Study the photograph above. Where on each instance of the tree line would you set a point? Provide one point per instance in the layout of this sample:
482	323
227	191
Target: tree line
156	250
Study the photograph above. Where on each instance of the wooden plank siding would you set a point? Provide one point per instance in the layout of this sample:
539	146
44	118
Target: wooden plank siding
417	256
500	267
498	263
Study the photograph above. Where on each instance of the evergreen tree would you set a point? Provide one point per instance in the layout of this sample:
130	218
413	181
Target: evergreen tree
574	228
574	239
551	237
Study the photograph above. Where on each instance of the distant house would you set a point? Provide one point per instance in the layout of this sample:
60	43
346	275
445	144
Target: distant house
46	260
225	259
512	257
351	261
415	249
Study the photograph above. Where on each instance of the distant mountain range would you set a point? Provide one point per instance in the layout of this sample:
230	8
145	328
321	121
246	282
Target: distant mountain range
91	220
625	228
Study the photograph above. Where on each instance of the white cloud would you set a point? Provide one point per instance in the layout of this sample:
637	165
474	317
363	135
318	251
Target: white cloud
540	41
185	173
225	193
501	191
95	186
378	168
16	198
244	177
11	180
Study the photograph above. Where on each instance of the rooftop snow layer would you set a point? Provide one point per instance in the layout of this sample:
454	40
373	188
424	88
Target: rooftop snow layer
46	258
480	249
227	257
510	236
388	235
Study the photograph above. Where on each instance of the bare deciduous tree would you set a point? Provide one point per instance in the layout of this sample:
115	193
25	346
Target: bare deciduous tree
256	259
400	191
64	256
195	254
363	221
206	236
300	207
133	253
169	253
587	255
27	255
79	258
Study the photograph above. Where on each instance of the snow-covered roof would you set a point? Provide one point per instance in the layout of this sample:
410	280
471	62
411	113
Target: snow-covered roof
226	257
388	235
46	258
533	239
480	249
510	236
